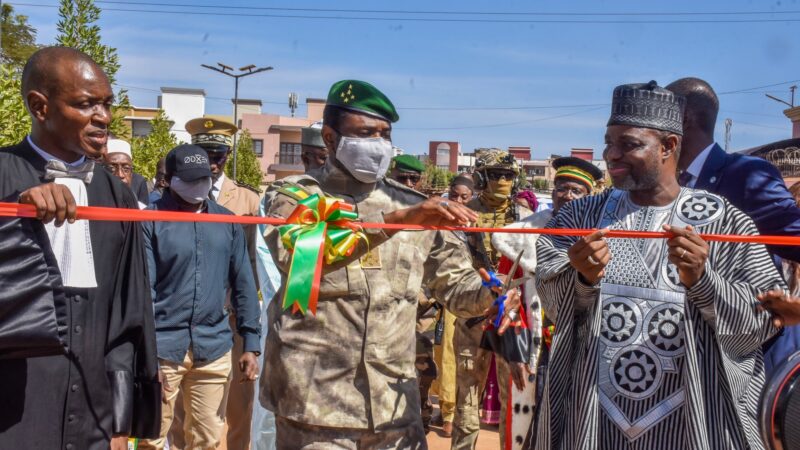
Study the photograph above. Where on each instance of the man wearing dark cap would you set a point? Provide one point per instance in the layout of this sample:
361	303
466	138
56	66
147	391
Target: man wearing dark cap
78	348
312	147
191	267
344	376
407	170
215	136
657	342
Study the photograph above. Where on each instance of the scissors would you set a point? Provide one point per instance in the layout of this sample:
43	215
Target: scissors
506	287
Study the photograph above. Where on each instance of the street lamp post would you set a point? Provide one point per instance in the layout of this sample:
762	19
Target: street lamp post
244	71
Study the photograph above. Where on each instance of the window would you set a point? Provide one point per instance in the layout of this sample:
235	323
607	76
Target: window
536	171
258	147
443	155
289	153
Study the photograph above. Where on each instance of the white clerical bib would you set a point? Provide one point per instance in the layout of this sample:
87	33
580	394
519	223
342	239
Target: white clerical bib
71	242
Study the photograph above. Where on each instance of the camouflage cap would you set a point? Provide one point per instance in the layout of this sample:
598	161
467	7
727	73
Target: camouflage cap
494	158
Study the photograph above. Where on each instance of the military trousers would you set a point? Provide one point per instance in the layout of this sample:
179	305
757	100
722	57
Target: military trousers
293	435
471	372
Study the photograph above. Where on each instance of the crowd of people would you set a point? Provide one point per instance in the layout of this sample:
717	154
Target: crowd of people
155	330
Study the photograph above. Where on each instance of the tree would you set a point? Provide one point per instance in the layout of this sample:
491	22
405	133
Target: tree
248	169
17	42
77	28
17	38
148	150
15	122
436	179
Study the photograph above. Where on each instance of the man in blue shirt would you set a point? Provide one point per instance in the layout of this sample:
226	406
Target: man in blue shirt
192	265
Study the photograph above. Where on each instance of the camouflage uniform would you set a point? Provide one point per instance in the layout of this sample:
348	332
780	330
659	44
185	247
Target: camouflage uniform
351	366
472	360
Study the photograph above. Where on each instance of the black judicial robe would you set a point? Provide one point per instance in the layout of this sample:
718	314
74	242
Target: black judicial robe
107	381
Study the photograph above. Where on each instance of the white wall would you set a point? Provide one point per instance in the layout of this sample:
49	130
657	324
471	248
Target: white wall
180	108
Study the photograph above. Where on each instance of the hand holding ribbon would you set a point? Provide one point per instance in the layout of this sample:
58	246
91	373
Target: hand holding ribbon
319	227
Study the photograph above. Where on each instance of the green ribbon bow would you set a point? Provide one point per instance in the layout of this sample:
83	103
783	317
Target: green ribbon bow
319	227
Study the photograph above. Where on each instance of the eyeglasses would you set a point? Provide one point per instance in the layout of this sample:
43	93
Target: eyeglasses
113	168
406	178
497	175
576	192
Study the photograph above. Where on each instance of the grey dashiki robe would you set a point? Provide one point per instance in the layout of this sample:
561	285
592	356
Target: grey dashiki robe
639	362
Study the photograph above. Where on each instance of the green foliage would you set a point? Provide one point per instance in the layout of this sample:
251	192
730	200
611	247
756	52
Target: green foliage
248	169
148	150
540	184
436	179
78	29
17	38
15	122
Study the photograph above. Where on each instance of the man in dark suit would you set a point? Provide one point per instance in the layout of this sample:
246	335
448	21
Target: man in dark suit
751	184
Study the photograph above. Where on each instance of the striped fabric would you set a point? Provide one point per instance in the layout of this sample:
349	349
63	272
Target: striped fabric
720	374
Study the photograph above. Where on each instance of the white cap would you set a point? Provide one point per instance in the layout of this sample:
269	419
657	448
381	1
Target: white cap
119	146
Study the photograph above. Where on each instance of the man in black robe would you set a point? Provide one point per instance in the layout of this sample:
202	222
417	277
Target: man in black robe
104	387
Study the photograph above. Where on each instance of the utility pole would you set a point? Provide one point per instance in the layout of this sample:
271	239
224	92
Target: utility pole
728	123
292	102
790	105
244	71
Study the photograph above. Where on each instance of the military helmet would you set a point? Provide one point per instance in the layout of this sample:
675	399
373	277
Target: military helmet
494	158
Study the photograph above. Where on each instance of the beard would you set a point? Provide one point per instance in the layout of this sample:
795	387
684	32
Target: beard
641	182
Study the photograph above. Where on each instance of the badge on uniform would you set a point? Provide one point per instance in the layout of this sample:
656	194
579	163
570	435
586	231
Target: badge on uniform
372	260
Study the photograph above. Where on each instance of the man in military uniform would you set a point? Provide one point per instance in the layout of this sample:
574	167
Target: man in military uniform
313	151
496	174
344	376
407	170
216	138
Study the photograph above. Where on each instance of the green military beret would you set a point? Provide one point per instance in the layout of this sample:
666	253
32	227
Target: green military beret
362	97
407	163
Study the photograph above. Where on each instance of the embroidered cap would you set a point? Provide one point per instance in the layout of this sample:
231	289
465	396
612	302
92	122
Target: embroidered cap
647	105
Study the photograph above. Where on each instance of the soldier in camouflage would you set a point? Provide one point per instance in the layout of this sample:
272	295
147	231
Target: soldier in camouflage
344	377
496	174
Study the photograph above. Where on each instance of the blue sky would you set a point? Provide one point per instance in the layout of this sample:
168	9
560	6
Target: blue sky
464	67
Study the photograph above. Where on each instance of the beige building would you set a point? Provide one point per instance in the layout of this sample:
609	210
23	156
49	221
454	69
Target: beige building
276	139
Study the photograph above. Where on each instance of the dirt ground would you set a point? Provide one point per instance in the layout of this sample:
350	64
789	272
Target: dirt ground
488	438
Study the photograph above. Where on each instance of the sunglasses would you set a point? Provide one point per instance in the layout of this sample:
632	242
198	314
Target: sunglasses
217	158
406	178
497	175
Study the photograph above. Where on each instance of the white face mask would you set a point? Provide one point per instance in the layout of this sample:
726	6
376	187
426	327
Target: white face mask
194	192
367	159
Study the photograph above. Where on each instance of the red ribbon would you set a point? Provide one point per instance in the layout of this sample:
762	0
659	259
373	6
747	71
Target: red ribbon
132	215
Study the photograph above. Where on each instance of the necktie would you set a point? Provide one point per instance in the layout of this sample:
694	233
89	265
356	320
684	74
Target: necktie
57	169
685	178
